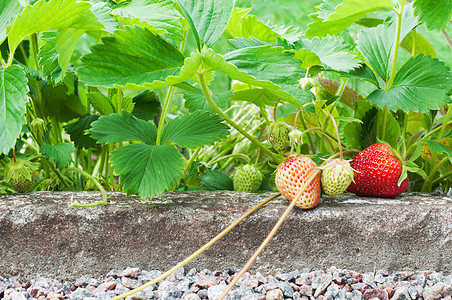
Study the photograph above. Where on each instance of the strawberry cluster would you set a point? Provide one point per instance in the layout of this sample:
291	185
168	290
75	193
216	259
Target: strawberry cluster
375	171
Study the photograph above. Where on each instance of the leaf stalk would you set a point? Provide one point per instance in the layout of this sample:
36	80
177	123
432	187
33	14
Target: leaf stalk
206	93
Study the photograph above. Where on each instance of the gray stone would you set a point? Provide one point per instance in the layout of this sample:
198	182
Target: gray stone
275	294
433	292
286	289
40	234
190	296
325	283
214	292
17	296
401	293
130	272
80	294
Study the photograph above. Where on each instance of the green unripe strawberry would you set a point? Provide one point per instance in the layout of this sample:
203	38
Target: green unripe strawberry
278	136
336	176
247	178
19	175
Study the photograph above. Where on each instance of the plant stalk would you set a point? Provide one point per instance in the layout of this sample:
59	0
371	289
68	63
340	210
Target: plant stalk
99	186
396	48
274	156
165	109
199	251
270	235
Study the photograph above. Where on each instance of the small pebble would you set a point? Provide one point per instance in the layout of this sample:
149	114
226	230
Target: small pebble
306	284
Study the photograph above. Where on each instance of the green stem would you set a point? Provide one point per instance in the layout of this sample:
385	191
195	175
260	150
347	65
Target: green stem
2	61
264	115
99	186
10	59
396	48
445	121
119	101
428	182
34	42
383	123
165	109
310	140
245	157
56	171
22	50
110	168
274	156
413	147
447	175
445	124
192	159
442	128
198	252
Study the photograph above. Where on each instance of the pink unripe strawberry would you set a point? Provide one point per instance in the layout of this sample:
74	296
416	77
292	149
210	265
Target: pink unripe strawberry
290	177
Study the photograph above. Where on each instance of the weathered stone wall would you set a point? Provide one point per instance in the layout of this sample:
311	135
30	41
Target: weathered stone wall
41	236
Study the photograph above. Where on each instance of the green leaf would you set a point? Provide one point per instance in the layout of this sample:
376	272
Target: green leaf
331	52
55	14
345	14
260	97
281	73
8	11
208	18
376	45
135	58
369	22
147	169
308	58
363	134
147	105
66	40
103	15
58	103
436	14
247	26
77	131
214	180
48	58
421	45
60	153
196	101
195	130
13	97
100	103
421	84
160	17
117	128
439	148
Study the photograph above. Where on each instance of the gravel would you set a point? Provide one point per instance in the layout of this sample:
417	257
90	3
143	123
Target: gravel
192	284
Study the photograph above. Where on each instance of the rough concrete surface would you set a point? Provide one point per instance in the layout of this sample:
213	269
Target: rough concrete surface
41	236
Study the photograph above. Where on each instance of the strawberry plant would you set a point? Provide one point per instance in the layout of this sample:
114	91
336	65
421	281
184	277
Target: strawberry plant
153	96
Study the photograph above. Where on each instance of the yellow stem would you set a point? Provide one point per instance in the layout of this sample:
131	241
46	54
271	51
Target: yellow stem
199	251
270	235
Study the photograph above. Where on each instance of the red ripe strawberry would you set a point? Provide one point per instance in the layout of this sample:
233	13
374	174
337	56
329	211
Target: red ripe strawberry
377	172
290	177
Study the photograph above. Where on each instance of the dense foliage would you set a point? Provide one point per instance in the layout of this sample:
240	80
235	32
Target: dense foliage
148	96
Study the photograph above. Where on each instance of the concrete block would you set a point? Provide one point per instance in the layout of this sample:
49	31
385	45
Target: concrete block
41	236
